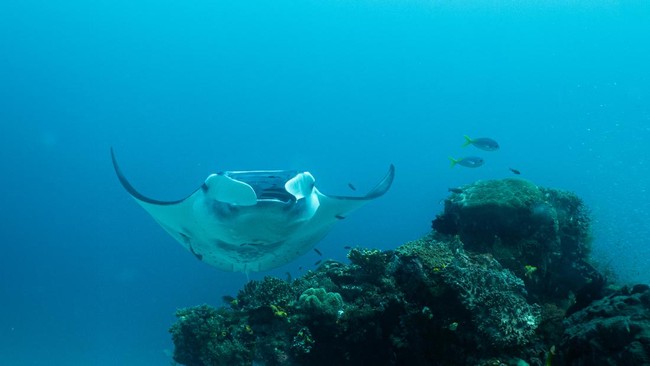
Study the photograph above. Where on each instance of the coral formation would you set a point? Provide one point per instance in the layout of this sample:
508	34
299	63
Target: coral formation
504	279
524	226
496	299
207	336
319	302
614	330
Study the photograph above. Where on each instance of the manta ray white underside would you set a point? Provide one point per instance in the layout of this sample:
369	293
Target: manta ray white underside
250	221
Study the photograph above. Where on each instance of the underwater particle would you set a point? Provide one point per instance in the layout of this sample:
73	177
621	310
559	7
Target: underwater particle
318	252
468	162
483	143
352	187
426	311
514	171
340	313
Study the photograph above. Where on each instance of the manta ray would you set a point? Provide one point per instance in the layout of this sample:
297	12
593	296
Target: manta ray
251	221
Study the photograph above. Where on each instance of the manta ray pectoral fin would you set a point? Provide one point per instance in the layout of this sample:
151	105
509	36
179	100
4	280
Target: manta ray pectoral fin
338	207
382	187
225	189
129	188
174	216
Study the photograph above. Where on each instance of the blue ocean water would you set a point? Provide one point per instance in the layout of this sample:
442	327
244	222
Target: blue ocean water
339	88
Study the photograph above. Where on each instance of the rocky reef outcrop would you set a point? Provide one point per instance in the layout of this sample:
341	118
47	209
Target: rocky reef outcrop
614	330
504	278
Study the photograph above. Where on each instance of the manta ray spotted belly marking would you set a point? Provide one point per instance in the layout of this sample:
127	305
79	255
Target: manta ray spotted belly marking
250	221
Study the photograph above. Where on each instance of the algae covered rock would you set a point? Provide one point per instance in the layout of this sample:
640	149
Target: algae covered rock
492	215
433	254
496	299
542	235
269	291
372	261
614	330
508	209
207	336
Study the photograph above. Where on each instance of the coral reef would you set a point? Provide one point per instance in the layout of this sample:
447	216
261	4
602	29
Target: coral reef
540	234
614	330
496	299
207	336
504	279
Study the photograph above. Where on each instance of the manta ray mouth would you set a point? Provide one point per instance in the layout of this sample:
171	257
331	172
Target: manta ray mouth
267	184
247	251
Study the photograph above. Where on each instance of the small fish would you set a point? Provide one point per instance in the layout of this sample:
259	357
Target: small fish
455	190
228	299
515	171
469	162
318	262
288	276
318	252
347	247
352	187
482	143
529	270
339	217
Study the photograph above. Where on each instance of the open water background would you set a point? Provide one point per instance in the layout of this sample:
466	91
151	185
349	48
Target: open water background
339	88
